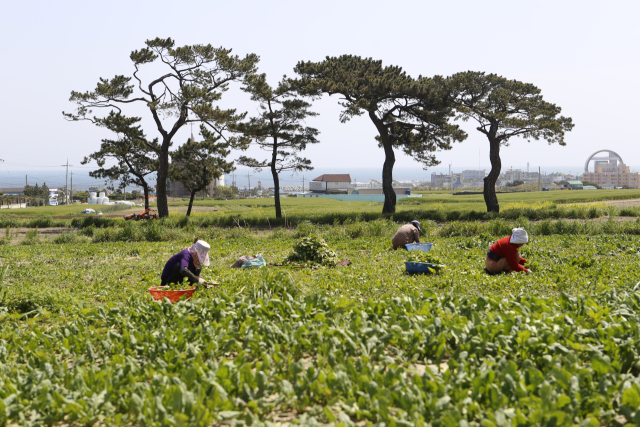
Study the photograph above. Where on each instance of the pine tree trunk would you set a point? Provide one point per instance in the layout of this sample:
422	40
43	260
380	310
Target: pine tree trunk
387	180
276	185
161	191
387	169
145	187
490	198
193	194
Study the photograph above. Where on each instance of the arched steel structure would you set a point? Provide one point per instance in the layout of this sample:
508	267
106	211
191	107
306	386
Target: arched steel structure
592	157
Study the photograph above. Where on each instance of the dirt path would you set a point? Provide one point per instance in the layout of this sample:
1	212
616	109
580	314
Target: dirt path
123	212
18	234
626	203
180	209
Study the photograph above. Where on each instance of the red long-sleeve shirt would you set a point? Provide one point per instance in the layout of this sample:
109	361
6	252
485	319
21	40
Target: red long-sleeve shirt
505	249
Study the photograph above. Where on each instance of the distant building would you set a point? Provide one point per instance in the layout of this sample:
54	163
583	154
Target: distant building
573	185
474	175
441	180
12	191
331	182
177	189
610	172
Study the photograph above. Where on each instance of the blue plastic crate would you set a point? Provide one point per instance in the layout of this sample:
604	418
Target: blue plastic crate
418	267
424	247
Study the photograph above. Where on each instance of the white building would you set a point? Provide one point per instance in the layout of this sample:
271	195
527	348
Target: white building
473	175
329	182
517	174
441	180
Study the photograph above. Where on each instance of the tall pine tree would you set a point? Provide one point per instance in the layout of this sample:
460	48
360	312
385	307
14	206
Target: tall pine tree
409	114
278	129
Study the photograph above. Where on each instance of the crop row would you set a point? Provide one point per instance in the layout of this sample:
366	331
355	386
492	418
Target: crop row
273	356
263	217
161	231
81	275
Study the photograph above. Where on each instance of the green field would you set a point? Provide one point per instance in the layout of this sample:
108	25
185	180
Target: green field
82	342
304	207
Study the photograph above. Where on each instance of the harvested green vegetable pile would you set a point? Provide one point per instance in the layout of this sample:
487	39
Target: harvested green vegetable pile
312	251
419	256
185	285
417	360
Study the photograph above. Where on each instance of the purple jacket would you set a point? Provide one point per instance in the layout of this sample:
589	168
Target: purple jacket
184	258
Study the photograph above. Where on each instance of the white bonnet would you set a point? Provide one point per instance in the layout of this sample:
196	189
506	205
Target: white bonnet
519	236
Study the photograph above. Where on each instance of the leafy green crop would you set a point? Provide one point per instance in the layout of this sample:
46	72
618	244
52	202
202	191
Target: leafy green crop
83	343
414	360
420	256
176	286
312	250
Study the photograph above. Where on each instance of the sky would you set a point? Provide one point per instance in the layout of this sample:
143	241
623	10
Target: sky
583	55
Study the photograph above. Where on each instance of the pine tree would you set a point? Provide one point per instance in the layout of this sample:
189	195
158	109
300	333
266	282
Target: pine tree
278	129
409	114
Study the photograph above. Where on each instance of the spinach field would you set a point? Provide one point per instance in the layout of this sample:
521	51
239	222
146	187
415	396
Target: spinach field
82	343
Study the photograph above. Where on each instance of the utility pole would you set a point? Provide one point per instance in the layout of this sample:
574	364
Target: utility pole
303	183
71	187
66	188
451	178
26	181
538	178
249	179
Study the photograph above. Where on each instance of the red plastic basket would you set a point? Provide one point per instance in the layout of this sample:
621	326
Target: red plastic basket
173	296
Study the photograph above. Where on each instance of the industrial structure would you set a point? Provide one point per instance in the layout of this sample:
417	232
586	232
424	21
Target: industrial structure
610	171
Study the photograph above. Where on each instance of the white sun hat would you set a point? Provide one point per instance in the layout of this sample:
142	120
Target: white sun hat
519	236
201	249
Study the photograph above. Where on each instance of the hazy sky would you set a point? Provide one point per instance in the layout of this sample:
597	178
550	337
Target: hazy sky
582	54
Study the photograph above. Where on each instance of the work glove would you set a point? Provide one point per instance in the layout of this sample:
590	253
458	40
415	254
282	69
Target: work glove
201	281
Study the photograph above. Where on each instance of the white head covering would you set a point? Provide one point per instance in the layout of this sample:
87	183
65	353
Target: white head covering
519	236
200	250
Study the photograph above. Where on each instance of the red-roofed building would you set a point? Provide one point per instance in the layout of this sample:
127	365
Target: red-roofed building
329	182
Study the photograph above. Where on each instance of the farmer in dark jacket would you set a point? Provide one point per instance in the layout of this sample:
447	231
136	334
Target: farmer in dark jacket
187	263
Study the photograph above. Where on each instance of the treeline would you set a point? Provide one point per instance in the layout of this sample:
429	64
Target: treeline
413	114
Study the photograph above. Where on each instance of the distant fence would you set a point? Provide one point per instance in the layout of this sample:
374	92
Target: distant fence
12	202
13	205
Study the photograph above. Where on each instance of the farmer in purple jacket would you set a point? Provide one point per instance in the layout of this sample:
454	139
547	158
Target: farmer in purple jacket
187	263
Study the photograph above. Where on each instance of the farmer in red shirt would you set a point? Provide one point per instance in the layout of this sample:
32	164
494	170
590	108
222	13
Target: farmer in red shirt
503	256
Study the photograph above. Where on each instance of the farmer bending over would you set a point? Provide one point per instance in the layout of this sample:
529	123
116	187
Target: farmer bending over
504	256
187	263
406	234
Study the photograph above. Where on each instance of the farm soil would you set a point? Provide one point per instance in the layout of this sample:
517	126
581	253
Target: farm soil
628	203
18	234
137	210
180	209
